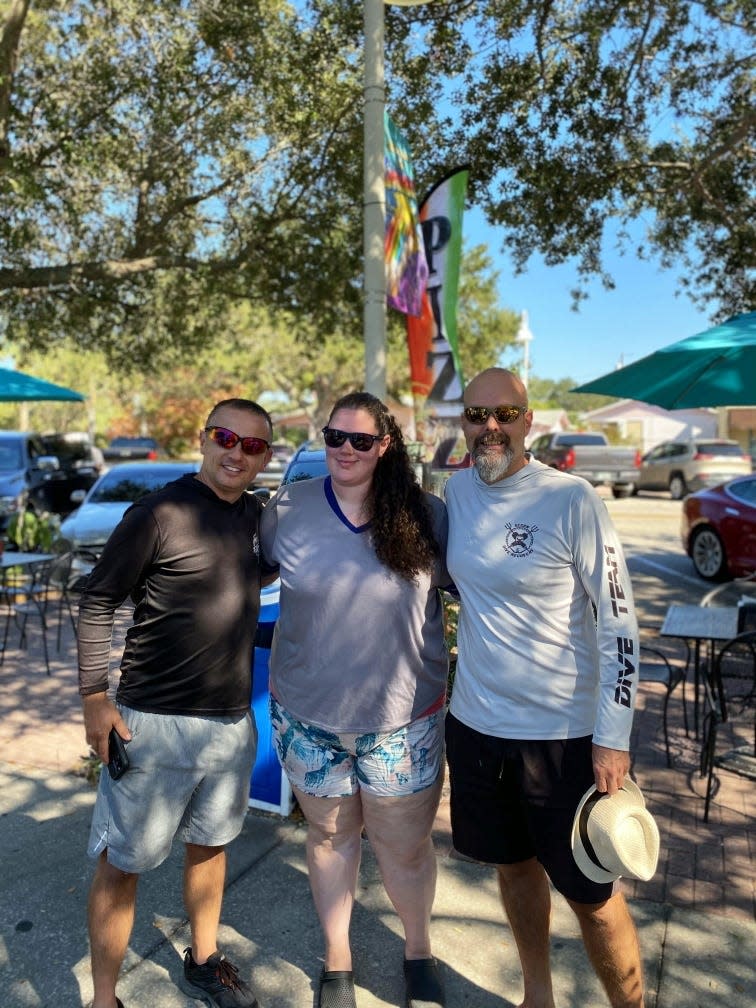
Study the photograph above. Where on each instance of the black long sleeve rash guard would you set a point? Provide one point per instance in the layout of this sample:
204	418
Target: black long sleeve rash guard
191	564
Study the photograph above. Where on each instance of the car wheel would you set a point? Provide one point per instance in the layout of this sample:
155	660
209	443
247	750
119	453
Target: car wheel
708	555
677	487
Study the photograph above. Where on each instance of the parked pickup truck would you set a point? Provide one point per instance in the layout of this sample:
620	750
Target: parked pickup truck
132	449
589	455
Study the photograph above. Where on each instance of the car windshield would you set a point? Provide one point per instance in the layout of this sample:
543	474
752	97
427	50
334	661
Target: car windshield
133	442
581	439
720	449
306	468
121	487
744	490
10	457
67	451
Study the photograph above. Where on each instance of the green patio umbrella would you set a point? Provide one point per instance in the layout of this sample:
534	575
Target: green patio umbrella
716	367
15	386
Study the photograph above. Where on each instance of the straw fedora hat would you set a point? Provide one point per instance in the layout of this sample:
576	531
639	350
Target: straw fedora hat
615	835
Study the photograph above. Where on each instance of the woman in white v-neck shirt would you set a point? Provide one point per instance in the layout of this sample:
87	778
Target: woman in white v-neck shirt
358	679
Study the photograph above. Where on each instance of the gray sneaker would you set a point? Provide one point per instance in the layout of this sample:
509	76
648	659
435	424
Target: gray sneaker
216	982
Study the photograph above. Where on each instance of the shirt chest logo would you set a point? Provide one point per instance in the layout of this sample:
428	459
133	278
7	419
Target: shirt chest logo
519	539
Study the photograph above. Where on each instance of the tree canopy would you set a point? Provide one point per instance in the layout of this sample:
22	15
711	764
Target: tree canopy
261	355
163	162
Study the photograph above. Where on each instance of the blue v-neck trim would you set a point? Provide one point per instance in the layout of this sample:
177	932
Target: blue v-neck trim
331	498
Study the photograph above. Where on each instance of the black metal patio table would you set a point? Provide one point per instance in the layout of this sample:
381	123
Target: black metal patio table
703	625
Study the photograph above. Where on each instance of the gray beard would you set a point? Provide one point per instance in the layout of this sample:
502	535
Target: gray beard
493	466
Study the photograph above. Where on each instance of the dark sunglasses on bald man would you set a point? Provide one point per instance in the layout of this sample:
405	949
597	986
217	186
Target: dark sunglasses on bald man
227	440
478	415
335	438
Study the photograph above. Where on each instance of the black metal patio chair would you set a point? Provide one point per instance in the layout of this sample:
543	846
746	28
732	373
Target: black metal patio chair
45	595
729	699
666	664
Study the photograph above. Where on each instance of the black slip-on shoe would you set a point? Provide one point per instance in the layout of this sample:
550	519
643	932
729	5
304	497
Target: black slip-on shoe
336	989
425	988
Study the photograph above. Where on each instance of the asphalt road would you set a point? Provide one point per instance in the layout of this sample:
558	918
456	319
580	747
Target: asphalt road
649	529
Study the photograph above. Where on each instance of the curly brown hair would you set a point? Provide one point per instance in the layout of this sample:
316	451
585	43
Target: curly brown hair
402	523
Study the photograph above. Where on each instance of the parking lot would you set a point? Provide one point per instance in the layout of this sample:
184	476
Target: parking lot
649	528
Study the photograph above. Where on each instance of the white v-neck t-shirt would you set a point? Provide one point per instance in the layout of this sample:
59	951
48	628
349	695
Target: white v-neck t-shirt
356	648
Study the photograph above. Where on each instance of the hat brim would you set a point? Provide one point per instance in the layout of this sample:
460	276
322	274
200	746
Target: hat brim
585	863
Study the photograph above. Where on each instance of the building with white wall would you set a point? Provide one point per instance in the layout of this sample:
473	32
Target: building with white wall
645	425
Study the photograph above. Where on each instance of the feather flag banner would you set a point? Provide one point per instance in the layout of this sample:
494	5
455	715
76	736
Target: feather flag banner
406	268
436	375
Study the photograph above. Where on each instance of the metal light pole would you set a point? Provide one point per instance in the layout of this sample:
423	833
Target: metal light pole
374	197
524	336
374	209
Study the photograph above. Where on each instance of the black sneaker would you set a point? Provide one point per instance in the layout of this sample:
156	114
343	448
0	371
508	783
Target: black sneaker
216	982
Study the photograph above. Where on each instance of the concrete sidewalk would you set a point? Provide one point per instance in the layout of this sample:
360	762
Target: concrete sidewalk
269	927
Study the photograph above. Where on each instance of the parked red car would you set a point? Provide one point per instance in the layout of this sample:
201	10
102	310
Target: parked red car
719	529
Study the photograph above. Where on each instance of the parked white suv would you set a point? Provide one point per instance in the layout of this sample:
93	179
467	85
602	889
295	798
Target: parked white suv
685	466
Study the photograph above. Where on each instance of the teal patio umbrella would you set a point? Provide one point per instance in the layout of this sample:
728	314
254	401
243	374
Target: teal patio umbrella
15	386
716	367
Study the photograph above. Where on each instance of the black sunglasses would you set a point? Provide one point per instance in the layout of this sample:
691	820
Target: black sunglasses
335	438
502	414
226	439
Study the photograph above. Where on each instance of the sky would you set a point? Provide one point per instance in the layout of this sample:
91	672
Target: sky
612	328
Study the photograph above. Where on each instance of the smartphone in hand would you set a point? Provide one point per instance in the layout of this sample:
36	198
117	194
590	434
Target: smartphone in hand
118	758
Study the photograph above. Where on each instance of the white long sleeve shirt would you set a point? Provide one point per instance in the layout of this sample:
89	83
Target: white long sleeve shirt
547	636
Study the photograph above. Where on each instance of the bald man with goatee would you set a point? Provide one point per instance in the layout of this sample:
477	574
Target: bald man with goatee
543	695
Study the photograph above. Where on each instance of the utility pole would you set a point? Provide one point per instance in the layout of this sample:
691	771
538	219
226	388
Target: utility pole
374	196
374	203
524	336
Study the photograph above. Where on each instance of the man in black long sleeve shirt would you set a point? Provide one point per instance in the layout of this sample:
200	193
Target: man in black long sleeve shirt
188	556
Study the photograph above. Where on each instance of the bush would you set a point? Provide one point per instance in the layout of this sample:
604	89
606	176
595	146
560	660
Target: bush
451	618
32	532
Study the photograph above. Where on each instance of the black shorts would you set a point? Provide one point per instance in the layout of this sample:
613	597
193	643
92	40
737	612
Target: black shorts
514	799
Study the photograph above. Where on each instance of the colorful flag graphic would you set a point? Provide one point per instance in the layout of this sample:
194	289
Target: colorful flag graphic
435	370
406	269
